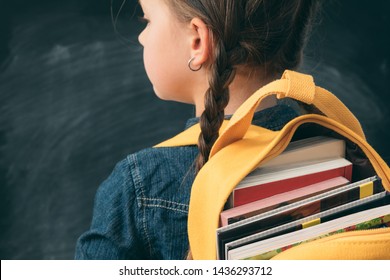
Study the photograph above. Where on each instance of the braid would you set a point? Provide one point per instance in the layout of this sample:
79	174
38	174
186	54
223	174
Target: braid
216	99
228	15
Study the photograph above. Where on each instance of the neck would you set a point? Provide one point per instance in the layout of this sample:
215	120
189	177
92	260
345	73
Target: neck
242	87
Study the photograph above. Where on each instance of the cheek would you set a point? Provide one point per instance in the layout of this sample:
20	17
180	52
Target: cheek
167	71
157	67
150	63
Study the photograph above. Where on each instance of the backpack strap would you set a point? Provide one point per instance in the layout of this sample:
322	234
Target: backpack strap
188	137
295	85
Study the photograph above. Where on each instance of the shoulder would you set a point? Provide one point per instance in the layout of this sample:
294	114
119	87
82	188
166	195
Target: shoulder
154	177
151	178
274	118
159	162
151	162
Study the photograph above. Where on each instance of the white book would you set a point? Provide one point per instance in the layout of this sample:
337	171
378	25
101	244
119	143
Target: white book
278	173
318	148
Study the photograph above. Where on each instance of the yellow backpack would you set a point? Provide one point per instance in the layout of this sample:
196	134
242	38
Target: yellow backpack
241	147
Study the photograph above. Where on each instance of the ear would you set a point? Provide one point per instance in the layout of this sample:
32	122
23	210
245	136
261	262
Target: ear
200	42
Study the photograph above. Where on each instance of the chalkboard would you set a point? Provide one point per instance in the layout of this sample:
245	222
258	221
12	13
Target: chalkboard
74	100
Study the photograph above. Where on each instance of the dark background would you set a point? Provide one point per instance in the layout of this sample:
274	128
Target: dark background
74	100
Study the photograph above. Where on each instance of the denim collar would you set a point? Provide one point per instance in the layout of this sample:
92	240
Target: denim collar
271	118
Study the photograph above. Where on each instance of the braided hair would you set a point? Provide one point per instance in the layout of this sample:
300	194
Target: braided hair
266	34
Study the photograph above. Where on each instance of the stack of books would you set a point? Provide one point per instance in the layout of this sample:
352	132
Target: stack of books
305	193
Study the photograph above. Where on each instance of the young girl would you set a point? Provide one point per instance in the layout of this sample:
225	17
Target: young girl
213	54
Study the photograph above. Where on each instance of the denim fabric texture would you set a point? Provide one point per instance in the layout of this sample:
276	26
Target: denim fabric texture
141	209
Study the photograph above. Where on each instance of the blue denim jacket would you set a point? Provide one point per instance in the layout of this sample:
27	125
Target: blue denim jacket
141	209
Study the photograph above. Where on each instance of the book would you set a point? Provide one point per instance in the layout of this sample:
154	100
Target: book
266	182
308	150
270	247
361	191
242	212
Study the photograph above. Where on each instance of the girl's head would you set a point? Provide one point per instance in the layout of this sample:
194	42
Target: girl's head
225	37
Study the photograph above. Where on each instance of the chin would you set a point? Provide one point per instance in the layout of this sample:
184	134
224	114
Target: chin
171	97
161	96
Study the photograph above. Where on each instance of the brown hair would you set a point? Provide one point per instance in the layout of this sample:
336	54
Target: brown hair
267	34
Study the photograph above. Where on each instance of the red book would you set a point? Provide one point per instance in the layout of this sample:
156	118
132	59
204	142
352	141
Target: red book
265	182
260	206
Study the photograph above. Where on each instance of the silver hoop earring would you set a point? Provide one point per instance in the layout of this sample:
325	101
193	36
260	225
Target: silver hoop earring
189	65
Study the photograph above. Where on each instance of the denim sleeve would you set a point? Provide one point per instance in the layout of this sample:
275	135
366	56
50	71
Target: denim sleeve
114	231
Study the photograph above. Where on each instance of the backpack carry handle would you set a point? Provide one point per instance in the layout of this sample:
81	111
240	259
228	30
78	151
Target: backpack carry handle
294	85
